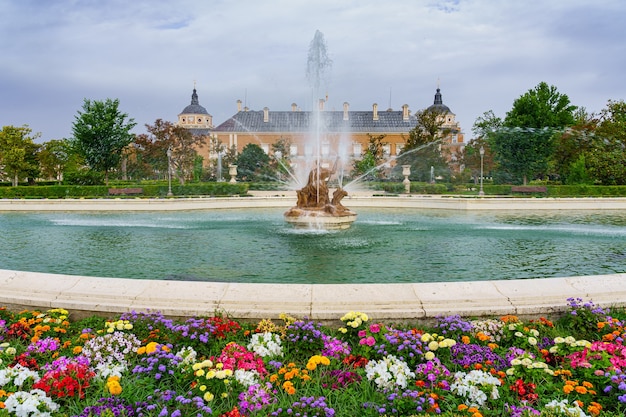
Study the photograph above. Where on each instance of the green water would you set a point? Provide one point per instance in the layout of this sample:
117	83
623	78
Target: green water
382	246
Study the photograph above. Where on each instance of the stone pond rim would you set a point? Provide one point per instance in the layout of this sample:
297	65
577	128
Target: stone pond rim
84	296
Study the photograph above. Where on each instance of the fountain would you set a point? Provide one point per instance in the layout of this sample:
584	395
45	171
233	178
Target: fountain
314	207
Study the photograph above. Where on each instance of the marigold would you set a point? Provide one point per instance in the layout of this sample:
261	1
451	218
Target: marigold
465	339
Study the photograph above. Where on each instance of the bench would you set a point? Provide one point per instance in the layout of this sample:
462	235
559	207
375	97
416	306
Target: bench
529	189
125	191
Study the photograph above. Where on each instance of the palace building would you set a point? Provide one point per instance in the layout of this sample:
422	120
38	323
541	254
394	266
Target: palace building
346	128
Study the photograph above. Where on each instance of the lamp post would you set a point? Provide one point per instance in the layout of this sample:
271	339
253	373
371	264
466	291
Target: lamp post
169	171
482	155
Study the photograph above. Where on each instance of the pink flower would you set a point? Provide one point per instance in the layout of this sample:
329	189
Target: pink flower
362	333
375	328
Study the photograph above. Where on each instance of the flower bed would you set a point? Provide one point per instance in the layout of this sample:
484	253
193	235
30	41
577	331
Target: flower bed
145	364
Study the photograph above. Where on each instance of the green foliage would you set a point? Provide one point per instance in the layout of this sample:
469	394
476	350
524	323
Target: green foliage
101	132
607	159
541	107
523	152
83	177
253	164
155	191
18	153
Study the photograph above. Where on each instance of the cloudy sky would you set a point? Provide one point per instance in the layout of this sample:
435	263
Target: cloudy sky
148	53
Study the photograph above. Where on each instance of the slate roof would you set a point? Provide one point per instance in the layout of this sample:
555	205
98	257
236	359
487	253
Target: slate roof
301	121
194	107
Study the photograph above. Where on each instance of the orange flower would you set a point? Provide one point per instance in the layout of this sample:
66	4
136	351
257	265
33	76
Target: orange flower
509	318
492	346
273	378
482	336
289	388
462	407
581	390
587	384
594	408
77	350
567	388
465	340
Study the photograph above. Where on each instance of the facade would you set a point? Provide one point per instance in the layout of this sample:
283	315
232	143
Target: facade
344	132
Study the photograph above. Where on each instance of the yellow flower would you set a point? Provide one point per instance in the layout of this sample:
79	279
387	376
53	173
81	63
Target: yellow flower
113	385
77	350
151	347
429	356
208	396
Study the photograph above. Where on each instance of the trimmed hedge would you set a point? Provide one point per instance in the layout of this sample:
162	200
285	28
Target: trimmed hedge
100	191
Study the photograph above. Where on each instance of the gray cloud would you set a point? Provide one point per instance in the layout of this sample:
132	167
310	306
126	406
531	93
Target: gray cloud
148	54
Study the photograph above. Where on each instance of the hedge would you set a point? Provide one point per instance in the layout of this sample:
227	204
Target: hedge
99	191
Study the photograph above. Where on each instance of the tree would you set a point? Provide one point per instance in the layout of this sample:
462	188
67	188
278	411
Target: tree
101	132
572	147
372	159
18	153
420	151
607	159
524	148
252	163
541	107
54	156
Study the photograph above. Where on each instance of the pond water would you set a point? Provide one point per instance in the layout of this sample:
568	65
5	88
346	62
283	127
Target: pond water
257	246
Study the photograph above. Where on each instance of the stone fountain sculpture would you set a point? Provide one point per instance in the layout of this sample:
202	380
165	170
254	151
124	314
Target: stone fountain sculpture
315	208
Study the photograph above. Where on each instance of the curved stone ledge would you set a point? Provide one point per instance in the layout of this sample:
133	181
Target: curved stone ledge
324	302
85	296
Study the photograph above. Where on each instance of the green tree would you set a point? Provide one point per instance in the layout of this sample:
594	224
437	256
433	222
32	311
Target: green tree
572	147
541	107
607	158
420	151
55	156
372	159
252	163
18	153
523	152
101	132
525	147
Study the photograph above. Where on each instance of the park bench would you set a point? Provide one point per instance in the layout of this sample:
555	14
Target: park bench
529	189
125	191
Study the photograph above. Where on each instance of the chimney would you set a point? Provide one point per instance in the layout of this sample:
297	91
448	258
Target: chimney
238	106
321	104
375	111
346	108
266	115
294	107
405	112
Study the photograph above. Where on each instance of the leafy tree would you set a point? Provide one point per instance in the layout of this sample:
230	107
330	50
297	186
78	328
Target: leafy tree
55	156
541	107
163	135
373	158
523	152
607	159
18	153
101	132
572	146
420	151
524	148
252	163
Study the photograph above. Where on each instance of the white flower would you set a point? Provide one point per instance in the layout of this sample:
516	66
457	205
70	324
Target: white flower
17	376
388	372
475	386
247	378
266	344
562	406
30	404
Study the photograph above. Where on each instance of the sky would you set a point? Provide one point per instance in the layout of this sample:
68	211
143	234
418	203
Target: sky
149	54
